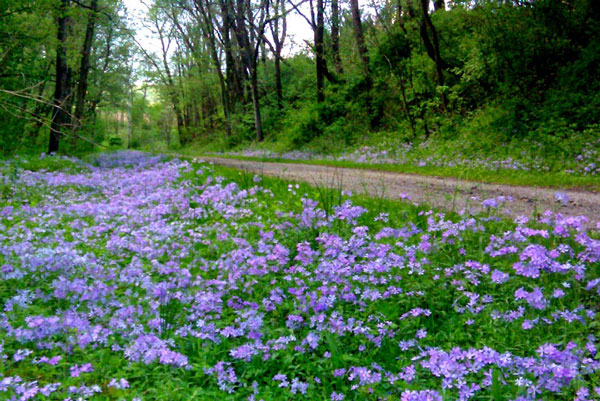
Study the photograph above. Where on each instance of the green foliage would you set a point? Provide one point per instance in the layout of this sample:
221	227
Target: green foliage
513	71
307	125
115	141
393	49
28	46
11	136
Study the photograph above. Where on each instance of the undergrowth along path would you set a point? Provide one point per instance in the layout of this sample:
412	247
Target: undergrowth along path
444	193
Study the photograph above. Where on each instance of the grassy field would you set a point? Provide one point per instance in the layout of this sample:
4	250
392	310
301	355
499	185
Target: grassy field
132	277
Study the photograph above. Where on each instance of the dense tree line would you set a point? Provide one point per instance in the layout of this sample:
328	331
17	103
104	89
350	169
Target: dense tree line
410	67
60	60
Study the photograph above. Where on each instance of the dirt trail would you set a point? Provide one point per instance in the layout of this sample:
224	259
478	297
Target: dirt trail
444	193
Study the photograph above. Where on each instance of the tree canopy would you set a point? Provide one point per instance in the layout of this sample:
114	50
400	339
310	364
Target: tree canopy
74	74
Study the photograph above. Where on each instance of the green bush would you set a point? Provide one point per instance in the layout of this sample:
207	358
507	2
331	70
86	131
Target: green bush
115	141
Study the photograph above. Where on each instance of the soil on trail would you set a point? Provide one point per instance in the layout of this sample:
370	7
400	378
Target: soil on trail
443	193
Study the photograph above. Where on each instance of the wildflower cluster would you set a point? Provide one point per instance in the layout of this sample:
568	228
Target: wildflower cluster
138	278
585	163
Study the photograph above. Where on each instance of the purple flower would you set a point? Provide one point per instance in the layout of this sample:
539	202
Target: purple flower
294	321
21	354
119	383
245	352
561	197
364	376
154	261
226	377
535	298
298	386
312	339
77	370
282	379
499	277
422	395
490	203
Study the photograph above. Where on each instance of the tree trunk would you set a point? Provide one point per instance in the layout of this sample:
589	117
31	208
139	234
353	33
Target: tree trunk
406	109
183	140
399	17
278	85
263	53
232	78
85	64
360	38
59	115
278	41
319	50
335	36
249	39
69	99
243	39
208	32
364	59
427	25
170	83
95	102
256	106
129	122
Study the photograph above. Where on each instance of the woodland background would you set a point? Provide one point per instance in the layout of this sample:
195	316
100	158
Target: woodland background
74	75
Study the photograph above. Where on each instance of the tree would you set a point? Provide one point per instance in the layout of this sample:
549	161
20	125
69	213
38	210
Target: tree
360	38
278	26
158	21
249	38
433	48
50	63
60	116
215	40
335	36
317	24
84	70
364	58
319	30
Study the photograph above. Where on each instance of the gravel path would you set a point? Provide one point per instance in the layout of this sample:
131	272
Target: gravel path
444	193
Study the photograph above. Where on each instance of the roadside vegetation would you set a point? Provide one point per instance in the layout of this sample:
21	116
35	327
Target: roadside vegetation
134	277
530	167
